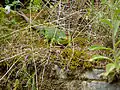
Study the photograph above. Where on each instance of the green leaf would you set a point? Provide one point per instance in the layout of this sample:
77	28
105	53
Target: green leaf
118	54
93	2
117	12
116	24
95	47
29	82
33	84
107	21
118	68
103	1
109	68
16	84
99	57
117	43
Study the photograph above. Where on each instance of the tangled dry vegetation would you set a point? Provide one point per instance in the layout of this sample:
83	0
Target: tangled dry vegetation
28	62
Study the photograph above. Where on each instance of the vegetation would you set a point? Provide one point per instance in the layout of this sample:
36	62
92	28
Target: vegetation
113	22
44	42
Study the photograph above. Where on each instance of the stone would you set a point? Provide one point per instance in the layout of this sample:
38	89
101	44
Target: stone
94	74
99	85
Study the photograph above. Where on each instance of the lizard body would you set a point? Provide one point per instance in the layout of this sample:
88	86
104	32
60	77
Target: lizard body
51	33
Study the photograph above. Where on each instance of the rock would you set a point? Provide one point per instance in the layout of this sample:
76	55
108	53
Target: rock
94	74
99	85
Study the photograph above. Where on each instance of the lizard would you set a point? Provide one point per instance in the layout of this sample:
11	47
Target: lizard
52	34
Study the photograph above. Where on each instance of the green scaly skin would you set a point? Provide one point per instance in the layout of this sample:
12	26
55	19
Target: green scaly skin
55	36
52	34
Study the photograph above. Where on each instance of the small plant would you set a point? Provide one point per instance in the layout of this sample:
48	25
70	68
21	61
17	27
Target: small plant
35	5
14	3
113	67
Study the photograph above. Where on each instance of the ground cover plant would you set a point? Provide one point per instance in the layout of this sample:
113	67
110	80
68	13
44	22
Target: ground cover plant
112	68
46	43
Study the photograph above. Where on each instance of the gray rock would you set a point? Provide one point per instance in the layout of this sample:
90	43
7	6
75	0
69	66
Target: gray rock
99	85
94	74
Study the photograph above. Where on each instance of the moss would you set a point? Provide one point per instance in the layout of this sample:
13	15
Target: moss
87	65
78	59
80	41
